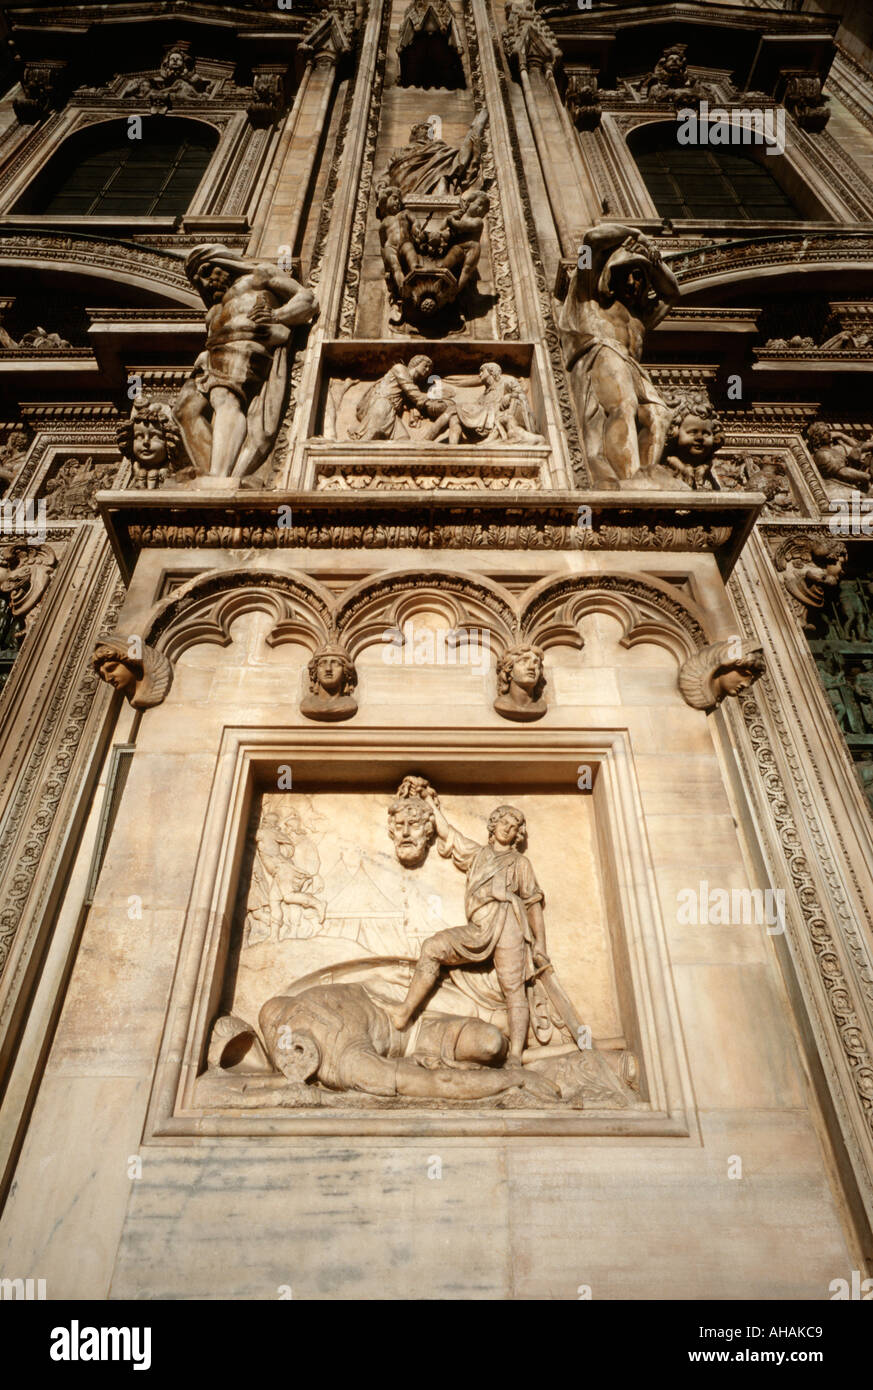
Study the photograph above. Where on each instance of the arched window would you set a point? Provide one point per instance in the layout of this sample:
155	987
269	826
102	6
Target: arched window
101	172
709	182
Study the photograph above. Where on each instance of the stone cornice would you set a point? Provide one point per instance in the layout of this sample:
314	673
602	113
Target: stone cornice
197	519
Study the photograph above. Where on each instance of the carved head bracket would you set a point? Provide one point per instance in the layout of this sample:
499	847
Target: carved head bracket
720	669
142	674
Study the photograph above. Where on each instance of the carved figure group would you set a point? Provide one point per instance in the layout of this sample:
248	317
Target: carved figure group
438	415
284	902
427	270
671	81
70	492
177	78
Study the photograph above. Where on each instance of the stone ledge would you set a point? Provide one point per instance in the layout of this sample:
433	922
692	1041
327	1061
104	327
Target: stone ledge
238	518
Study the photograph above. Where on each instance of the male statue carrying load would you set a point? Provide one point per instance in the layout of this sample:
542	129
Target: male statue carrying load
230	408
620	290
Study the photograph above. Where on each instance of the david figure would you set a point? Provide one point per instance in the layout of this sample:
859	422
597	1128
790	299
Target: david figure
504	907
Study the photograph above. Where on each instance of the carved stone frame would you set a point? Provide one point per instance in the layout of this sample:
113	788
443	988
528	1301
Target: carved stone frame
249	758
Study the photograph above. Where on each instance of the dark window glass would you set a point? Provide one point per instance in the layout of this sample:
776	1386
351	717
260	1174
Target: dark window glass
709	183
102	172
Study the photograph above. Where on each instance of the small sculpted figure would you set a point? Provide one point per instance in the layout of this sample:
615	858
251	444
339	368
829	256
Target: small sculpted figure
839	457
396	235
505	924
380	410
429	166
341	1037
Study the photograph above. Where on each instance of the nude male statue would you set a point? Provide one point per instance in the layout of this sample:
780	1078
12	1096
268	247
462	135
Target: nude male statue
608	309
228	411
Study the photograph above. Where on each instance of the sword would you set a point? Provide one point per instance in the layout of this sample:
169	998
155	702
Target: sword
561	1003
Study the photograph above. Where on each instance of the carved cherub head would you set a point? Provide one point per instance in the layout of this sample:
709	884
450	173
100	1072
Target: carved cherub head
389	200
142	680
507	828
721	669
151	439
695	431
474	203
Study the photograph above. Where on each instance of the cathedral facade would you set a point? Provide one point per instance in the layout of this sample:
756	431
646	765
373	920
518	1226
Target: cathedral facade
436	649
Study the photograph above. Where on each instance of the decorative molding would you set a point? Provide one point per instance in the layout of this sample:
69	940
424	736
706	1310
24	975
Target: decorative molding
354	261
849	1018
569	422
105	592
173	519
81	249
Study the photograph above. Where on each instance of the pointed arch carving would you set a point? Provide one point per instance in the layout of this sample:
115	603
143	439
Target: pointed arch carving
204	608
303	611
388	601
647	610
